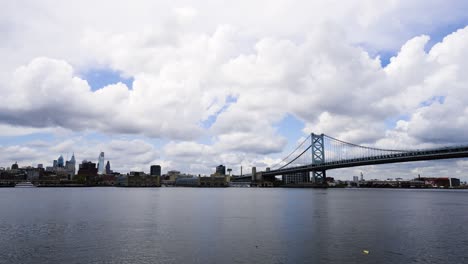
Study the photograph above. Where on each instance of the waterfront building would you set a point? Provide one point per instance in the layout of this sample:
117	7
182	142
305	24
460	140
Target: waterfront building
172	175
296	178
108	180
221	170
441	182
101	169
139	179
214	181
15	166
155	170
188	182
87	172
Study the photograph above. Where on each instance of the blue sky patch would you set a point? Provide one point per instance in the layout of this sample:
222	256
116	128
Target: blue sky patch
291	128
212	118
18	140
432	100
390	123
440	32
98	78
436	34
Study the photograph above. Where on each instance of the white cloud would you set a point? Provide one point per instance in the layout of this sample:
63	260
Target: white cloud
187	61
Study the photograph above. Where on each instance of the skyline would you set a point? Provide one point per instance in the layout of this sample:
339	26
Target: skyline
190	86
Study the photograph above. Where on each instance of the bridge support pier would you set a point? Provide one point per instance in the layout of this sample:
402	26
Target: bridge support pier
319	177
318	157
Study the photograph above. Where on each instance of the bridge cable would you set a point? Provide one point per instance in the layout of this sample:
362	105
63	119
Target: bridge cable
300	145
371	148
296	157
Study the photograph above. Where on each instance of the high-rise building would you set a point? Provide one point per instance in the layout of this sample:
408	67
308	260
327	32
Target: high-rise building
101	169
108	169
60	162
155	170
70	166
221	170
72	160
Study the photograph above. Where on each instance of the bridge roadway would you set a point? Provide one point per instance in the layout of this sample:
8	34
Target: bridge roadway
435	154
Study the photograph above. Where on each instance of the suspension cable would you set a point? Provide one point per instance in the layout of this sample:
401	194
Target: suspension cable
296	157
355	145
300	145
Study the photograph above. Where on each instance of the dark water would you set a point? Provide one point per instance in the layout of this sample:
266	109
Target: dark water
234	225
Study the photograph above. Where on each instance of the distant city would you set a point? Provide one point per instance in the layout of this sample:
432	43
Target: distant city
63	173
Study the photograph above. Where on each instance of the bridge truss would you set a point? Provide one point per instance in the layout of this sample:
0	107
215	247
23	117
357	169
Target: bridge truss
319	153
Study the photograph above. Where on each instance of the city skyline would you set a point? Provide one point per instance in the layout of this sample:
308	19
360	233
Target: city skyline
191	86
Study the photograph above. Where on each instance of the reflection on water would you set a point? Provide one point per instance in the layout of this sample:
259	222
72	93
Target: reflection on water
233	225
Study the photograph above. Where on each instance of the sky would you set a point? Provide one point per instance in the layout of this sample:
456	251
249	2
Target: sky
193	84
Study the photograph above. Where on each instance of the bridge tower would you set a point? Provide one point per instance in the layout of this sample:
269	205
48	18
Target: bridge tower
318	157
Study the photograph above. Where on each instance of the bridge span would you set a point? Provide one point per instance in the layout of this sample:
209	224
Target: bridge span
330	153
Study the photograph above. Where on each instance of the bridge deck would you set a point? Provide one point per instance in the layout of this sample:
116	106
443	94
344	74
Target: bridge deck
445	153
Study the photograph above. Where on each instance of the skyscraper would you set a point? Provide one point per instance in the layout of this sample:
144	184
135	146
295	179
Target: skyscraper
60	162
71	166
108	169
101	169
155	170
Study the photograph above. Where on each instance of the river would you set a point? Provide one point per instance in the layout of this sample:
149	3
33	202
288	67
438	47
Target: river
232	225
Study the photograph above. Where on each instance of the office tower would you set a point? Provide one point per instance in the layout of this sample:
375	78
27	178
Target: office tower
108	168
221	170
101	169
60	162
155	170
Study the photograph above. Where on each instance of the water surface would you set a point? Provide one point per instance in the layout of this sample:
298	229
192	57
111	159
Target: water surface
232	225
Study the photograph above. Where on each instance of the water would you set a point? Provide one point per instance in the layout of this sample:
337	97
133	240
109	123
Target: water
233	225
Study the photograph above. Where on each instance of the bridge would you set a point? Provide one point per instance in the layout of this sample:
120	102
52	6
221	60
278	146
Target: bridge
319	153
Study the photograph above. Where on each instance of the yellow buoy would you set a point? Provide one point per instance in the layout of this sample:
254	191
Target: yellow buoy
365	251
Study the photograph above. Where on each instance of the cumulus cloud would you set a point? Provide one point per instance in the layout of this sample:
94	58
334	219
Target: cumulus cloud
188	63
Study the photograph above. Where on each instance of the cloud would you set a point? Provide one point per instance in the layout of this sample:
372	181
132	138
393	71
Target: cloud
188	61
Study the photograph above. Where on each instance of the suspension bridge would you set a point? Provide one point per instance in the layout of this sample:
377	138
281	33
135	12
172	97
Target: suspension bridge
318	153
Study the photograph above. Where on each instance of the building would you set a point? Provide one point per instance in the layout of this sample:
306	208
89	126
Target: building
155	170
87	172
70	167
188	182
108	180
101	169
139	179
296	178
60	162
15	166
441	182
172	175
108	168
221	170
214	181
